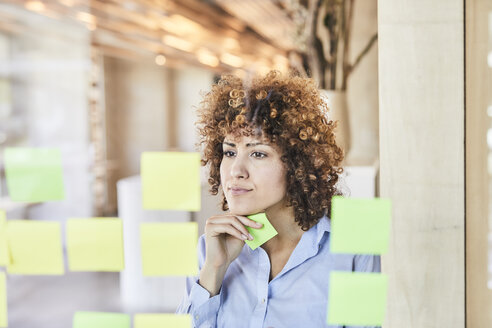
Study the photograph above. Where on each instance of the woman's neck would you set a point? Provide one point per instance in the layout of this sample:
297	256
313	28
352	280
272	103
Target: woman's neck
289	231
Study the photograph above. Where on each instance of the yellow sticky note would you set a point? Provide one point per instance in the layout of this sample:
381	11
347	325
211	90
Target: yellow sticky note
357	298
4	258
34	174
170	181
3	300
101	320
162	320
95	244
262	235
34	247
169	249
360	226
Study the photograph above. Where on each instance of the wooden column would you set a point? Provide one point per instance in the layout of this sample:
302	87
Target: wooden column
478	82
422	112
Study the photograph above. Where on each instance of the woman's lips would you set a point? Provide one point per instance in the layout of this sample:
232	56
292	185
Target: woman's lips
239	191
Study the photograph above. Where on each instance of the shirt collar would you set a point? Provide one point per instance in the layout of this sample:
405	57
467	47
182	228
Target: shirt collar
321	227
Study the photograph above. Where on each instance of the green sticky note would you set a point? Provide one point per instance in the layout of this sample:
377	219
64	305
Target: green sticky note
34	174
3	300
360	226
162	320
100	320
95	244
169	249
171	181
34	247
357	299
4	257
262	235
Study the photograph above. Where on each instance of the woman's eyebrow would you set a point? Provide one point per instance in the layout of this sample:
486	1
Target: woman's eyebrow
247	145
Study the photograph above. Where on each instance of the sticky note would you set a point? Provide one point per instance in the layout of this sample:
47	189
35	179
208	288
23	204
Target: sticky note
169	249
357	299
162	320
34	174
171	181
262	235
34	247
100	320
3	300
4	257
95	244
360	226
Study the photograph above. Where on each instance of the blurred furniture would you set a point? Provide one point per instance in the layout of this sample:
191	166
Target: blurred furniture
359	181
139	293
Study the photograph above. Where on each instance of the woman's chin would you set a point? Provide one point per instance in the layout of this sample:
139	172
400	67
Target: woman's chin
244	211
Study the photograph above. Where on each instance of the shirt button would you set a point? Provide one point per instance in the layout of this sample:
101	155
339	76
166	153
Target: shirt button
263	301
196	317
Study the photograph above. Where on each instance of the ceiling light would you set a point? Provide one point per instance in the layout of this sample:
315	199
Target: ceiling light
231	60
160	60
177	43
35	6
206	57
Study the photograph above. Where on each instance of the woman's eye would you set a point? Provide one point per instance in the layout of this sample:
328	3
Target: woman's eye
257	154
228	153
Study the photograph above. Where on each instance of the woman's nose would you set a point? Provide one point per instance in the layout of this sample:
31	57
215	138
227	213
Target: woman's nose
238	169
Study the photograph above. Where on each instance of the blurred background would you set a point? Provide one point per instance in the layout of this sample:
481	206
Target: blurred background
105	80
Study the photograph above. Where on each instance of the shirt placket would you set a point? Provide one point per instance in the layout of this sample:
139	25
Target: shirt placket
262	290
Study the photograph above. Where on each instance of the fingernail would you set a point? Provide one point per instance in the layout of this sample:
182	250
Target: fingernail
259	224
244	237
250	237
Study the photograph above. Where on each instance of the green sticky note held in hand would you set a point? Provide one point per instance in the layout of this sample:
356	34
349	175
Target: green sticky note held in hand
34	174
262	235
169	249
162	320
4	256
100	320
3	300
171	181
95	244
360	226
34	248
357	299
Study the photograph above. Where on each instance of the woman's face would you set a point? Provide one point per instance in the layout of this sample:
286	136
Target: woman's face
252	175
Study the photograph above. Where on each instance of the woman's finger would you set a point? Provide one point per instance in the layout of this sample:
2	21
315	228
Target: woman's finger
235	222
217	229
246	221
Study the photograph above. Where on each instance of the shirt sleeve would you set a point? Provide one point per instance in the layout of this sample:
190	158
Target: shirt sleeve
196	300
367	263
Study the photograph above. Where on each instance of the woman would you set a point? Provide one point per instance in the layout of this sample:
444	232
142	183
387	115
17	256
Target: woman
271	149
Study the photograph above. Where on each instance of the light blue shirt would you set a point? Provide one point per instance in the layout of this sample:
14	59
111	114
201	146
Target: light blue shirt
296	297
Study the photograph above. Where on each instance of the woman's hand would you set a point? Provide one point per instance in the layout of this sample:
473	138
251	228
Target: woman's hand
224	240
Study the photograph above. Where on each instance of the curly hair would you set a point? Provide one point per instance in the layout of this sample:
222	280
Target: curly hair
288	111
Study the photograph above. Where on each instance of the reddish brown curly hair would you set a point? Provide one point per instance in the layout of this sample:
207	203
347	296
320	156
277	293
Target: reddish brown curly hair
288	111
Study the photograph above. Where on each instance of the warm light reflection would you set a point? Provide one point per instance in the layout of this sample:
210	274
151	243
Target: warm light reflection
160	60
68	3
231	60
206	57
35	6
281	62
231	43
180	25
177	43
86	17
